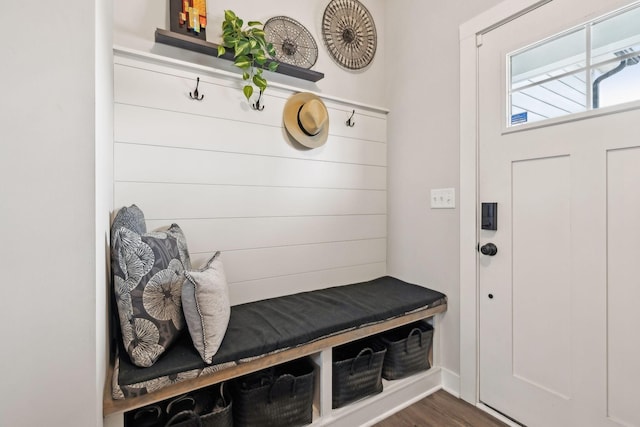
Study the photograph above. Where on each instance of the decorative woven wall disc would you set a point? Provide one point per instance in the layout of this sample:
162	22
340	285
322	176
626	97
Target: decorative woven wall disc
349	33
294	44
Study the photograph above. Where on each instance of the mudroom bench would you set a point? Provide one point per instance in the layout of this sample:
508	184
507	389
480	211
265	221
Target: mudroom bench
269	332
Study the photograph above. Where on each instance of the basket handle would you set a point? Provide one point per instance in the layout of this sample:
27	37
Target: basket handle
413	331
183	398
148	410
224	400
266	378
184	416
361	354
283	377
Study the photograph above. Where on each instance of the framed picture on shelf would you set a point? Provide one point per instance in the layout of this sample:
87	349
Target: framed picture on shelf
188	17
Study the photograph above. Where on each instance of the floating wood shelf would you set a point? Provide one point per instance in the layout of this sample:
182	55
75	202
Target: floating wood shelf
196	45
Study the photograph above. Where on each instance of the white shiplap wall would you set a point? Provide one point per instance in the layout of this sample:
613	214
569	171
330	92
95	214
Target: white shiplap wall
286	219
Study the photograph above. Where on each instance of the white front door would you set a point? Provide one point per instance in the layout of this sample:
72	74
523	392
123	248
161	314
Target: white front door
559	323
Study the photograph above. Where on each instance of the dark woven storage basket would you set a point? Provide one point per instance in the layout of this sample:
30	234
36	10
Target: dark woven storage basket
207	407
280	396
220	417
357	369
407	350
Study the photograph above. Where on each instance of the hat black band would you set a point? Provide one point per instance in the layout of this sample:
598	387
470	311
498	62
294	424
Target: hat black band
302	127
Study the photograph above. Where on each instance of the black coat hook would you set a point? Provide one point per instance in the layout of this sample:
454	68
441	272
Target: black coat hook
257	105
350	121
195	92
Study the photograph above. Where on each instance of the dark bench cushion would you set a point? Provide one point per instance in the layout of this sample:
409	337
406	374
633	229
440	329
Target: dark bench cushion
270	325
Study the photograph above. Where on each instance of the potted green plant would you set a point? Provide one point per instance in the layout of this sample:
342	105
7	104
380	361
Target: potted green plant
251	50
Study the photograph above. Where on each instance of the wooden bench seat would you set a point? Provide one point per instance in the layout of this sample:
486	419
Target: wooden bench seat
269	332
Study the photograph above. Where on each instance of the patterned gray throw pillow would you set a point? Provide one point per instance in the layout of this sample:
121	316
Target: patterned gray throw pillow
205	301
129	217
148	272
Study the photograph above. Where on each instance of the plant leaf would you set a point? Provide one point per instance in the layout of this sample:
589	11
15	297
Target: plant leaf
260	82
242	62
248	91
273	66
254	23
221	50
229	15
242	48
246	76
260	59
271	50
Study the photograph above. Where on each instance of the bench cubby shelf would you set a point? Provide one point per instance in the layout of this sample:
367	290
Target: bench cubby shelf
320	352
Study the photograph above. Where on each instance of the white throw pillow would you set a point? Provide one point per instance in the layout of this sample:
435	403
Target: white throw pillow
205	302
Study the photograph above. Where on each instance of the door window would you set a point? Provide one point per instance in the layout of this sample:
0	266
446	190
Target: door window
592	66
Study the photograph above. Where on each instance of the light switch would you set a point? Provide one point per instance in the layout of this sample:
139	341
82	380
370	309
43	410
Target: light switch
443	198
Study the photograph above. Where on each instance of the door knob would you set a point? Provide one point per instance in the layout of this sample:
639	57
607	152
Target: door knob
489	249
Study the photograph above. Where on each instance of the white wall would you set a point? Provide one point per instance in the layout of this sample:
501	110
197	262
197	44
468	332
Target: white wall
286	219
422	92
136	22
47	192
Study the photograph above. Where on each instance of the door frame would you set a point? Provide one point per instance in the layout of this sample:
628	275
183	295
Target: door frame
470	38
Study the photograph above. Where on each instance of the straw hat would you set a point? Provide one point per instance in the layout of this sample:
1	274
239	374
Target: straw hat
306	119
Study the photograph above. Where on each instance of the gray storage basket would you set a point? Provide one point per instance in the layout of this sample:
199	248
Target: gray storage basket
407	350
281	396
357	369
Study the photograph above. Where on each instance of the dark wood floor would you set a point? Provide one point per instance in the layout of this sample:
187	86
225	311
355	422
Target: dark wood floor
441	410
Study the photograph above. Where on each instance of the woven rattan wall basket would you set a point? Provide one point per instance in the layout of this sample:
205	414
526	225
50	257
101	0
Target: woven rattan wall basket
349	33
294	44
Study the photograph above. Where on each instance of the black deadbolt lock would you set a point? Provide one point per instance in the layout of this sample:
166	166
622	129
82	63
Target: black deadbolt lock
489	216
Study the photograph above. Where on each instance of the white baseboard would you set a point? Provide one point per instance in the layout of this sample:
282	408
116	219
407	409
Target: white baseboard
400	407
451	382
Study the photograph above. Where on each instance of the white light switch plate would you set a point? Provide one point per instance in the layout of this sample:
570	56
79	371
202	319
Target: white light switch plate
443	198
